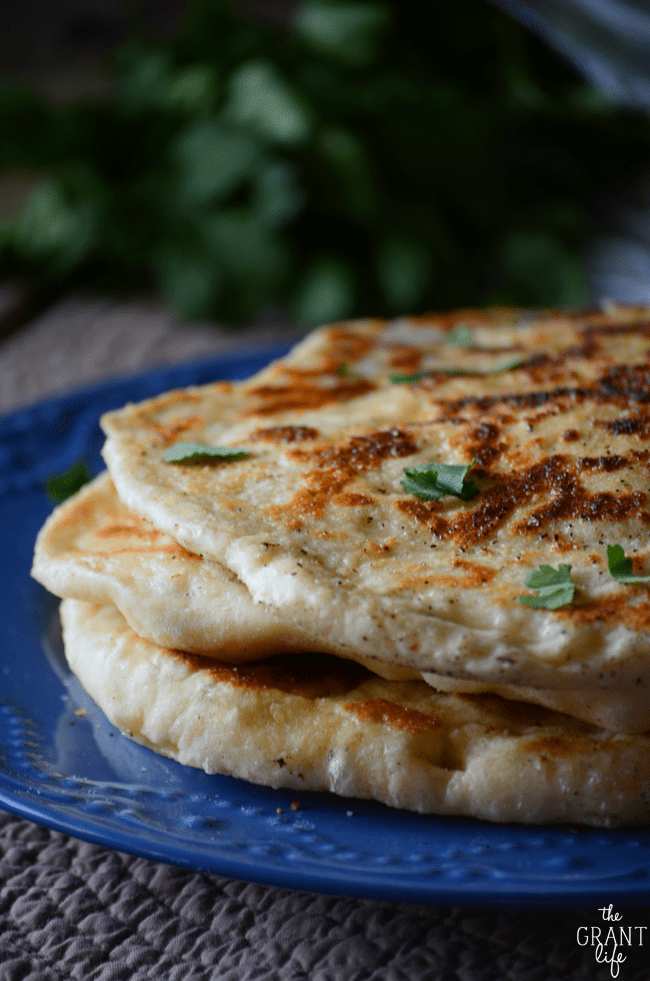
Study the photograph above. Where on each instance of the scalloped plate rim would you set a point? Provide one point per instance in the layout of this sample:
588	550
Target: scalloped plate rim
541	887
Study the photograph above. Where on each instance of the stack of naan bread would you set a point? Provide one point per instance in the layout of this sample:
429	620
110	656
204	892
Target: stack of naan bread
297	616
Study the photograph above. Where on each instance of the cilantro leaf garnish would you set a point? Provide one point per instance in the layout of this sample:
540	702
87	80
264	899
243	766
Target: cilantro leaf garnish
191	452
61	486
554	587
620	567
460	337
432	480
345	371
498	368
408	379
506	366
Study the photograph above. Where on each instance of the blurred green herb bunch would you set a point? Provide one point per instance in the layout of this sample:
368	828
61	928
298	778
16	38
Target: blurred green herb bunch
373	158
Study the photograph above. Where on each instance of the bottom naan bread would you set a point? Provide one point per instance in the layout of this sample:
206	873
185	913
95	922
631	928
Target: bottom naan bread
322	723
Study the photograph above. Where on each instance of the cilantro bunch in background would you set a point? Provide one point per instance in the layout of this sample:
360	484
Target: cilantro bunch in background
371	158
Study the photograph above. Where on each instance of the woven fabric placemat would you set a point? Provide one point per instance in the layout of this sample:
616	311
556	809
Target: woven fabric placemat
69	909
72	910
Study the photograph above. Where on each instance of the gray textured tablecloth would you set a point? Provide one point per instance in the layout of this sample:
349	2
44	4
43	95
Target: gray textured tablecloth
69	909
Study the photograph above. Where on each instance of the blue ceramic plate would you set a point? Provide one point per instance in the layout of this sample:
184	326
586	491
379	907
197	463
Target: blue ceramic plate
63	765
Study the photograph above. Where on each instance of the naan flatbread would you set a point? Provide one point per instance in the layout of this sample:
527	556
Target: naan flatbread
555	410
324	724
624	710
94	549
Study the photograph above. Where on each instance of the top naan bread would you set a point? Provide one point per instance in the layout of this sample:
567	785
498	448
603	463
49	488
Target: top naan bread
314	521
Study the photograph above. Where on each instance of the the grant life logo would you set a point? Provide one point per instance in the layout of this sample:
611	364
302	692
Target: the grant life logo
609	942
